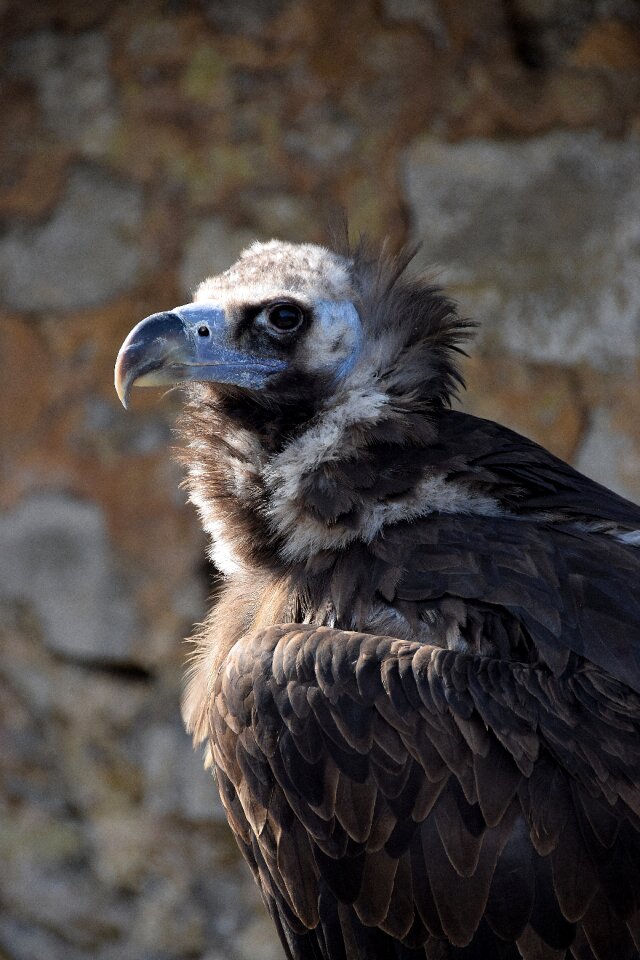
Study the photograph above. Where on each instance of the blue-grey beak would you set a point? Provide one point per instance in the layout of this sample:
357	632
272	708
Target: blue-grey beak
188	343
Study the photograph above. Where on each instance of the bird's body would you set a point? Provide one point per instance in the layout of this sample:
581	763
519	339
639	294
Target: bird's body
421	683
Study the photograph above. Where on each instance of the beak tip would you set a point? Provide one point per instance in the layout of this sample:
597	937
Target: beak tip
146	351
122	382
122	397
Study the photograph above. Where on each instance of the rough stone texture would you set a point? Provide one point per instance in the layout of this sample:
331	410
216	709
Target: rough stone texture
609	455
73	84
85	254
143	145
422	12
54	555
211	248
540	239
175	780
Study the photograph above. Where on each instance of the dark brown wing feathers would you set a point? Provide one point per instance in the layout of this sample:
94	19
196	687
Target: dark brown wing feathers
430	836
549	579
459	803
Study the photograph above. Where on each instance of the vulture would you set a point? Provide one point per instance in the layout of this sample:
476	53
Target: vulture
420	684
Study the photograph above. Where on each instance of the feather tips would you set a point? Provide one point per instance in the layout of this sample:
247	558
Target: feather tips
381	820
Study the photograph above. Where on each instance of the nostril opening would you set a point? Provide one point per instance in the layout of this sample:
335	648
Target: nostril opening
203	331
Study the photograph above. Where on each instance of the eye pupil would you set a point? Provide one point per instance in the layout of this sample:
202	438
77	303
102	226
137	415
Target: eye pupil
203	331
285	317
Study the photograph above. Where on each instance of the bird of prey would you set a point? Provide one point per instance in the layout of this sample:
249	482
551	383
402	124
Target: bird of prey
420	686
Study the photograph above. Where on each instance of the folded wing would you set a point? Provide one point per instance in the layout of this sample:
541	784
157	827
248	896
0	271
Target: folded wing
398	799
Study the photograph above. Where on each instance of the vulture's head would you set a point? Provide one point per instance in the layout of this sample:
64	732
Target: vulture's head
281	318
296	320
297	359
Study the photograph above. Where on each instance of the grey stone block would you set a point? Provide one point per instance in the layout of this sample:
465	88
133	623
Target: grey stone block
175	781
608	456
85	254
539	239
422	12
55	556
75	91
213	246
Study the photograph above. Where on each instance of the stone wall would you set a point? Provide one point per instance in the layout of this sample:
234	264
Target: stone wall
144	143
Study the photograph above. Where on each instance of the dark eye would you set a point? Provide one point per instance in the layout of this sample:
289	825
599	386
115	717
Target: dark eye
285	317
203	331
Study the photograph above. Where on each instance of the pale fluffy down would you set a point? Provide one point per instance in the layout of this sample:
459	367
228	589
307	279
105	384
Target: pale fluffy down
276	270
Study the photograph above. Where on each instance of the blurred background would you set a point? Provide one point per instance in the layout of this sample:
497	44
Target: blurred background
144	144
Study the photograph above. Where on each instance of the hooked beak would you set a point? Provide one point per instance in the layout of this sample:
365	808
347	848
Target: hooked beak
188	343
